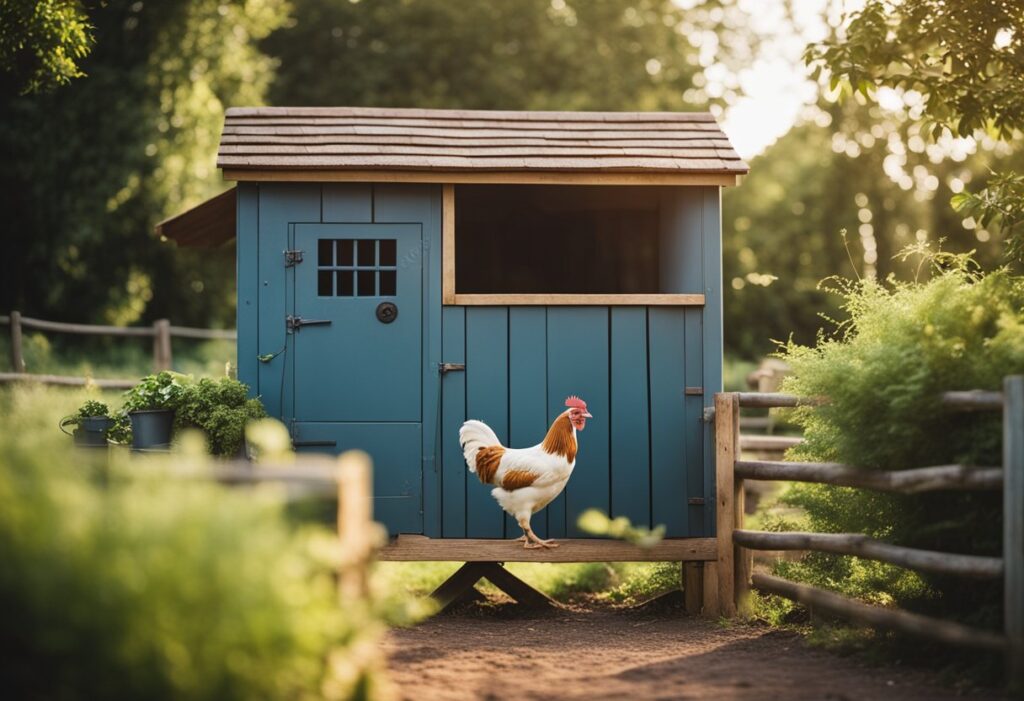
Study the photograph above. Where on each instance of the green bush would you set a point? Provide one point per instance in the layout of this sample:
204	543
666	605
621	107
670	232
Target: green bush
129	583
883	373
220	409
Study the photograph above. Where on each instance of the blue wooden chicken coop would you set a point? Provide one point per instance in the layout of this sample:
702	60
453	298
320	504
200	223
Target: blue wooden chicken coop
400	271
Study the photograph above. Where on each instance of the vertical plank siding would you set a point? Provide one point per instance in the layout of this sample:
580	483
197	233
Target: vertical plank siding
247	311
486	400
527	390
453	413
667	368
693	425
629	415
578	344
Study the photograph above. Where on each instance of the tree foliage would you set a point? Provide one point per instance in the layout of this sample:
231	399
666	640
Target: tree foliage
91	167
529	54
965	56
42	43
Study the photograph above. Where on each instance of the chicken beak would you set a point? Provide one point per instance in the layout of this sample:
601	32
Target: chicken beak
587	415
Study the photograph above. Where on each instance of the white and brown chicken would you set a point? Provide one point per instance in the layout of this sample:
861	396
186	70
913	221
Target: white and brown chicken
526	479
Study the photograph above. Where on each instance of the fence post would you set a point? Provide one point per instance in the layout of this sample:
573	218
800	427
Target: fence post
1013	527
161	345
17	360
726	447
355	523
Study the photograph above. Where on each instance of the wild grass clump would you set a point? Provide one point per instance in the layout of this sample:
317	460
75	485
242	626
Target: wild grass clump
124	580
883	372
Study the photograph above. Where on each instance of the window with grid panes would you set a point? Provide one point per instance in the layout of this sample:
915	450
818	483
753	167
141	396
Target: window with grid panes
357	267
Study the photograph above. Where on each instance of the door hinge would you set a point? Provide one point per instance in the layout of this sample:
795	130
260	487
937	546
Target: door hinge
292	258
445	368
294	323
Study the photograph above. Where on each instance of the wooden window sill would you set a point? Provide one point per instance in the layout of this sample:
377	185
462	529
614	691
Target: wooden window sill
603	300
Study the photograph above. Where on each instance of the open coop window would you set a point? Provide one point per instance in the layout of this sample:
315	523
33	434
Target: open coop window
540	244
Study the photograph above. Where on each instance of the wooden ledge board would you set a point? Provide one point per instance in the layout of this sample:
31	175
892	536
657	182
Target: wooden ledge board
571	300
485	177
411	548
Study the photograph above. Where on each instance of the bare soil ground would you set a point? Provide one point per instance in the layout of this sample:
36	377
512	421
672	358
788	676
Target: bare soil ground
491	655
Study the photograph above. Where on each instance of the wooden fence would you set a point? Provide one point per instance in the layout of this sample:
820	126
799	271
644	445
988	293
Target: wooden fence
733	570
349	478
161	332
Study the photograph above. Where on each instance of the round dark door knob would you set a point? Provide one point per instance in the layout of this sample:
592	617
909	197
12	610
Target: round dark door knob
387	312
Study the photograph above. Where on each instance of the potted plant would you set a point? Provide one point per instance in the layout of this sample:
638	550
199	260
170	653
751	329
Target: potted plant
91	422
149	408
220	409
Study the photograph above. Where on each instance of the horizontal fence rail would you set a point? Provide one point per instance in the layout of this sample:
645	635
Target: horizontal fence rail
161	332
919	479
735	544
891	619
862	546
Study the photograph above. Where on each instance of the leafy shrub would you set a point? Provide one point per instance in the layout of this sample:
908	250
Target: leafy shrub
91	407
883	373
155	587
159	391
220	409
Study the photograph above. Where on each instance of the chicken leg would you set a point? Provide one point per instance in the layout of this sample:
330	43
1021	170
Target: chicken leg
531	541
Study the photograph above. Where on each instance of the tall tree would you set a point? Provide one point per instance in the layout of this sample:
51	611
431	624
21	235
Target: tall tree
528	54
92	166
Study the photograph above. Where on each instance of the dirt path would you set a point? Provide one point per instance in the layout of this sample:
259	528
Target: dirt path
596	655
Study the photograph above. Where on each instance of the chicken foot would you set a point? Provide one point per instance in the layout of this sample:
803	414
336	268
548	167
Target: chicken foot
531	541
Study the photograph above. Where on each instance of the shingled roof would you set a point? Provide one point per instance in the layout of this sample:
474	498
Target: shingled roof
370	139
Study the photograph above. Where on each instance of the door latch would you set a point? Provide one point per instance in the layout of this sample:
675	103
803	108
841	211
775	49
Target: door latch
292	258
445	368
294	323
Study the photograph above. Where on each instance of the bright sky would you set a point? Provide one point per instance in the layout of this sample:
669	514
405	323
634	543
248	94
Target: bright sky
776	86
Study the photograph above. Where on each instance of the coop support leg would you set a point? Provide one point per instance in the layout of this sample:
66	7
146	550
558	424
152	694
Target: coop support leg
460	587
693	587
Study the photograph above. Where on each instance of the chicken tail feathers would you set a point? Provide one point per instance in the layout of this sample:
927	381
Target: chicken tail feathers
475	436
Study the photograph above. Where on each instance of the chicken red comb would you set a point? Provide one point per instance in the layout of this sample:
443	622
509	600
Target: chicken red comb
575	402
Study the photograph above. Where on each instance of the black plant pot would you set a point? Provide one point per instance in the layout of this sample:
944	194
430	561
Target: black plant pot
151	428
91	431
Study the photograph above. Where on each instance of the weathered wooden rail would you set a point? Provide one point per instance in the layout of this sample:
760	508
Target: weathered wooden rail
732	573
162	331
348	478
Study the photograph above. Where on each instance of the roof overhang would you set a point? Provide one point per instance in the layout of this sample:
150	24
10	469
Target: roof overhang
534	177
210	224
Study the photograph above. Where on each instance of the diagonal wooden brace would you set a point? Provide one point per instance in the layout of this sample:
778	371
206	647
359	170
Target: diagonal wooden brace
460	587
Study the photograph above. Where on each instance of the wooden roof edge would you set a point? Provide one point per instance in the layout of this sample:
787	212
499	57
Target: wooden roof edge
208	224
506	115
494	177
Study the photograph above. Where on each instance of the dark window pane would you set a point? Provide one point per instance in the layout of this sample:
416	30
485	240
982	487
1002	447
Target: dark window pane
345	252
367	283
388	282
325	252
367	252
324	288
388	252
345	283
